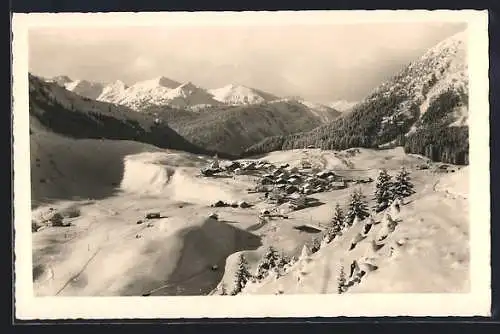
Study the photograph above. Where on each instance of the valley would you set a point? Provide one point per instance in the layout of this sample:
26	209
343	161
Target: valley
106	251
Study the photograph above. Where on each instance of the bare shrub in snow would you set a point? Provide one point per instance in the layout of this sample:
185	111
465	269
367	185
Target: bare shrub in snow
223	291
341	281
315	245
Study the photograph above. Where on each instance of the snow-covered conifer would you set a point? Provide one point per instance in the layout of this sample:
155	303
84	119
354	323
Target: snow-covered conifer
402	185
242	275
357	208
383	191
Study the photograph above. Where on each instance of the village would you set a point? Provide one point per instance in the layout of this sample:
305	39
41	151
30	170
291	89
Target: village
285	188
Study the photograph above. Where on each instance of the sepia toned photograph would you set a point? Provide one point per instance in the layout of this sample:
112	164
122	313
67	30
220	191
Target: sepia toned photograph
341	157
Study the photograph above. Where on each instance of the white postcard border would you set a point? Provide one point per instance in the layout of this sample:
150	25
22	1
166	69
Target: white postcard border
477	302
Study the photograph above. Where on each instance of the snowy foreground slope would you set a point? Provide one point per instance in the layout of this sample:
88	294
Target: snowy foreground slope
105	251
428	251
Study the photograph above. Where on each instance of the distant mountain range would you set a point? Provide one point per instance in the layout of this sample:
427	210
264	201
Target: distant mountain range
424	108
226	121
55	109
162	91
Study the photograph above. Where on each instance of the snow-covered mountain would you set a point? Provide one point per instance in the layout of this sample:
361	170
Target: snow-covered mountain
342	105
423	107
160	91
165	92
239	95
58	110
189	95
141	95
88	89
61	80
85	88
325	113
113	91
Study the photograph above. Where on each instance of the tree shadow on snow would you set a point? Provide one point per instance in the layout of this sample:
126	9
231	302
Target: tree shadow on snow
307	229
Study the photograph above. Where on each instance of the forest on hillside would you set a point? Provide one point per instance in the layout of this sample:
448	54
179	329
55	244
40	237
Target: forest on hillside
383	118
231	129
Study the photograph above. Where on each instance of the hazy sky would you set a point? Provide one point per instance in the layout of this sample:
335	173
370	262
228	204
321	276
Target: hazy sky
320	63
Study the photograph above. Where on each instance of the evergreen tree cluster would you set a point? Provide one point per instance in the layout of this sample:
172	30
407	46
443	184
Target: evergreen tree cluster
269	261
388	188
386	116
362	127
440	143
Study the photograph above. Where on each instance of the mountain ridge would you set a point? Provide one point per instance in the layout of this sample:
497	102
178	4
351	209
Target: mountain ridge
58	110
423	107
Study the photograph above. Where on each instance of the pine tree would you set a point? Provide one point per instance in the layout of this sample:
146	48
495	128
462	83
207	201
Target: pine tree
383	191
402	186
242	275
341	281
336	224
357	207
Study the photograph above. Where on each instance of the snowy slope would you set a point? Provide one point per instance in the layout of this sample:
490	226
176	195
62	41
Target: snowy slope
113	91
190	95
325	113
238	94
85	88
61	80
425	250
342	105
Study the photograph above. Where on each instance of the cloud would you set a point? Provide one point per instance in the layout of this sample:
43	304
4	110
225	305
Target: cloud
143	63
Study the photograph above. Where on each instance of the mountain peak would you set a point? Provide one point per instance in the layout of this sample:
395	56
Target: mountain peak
160	81
236	94
187	86
61	79
342	105
118	84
